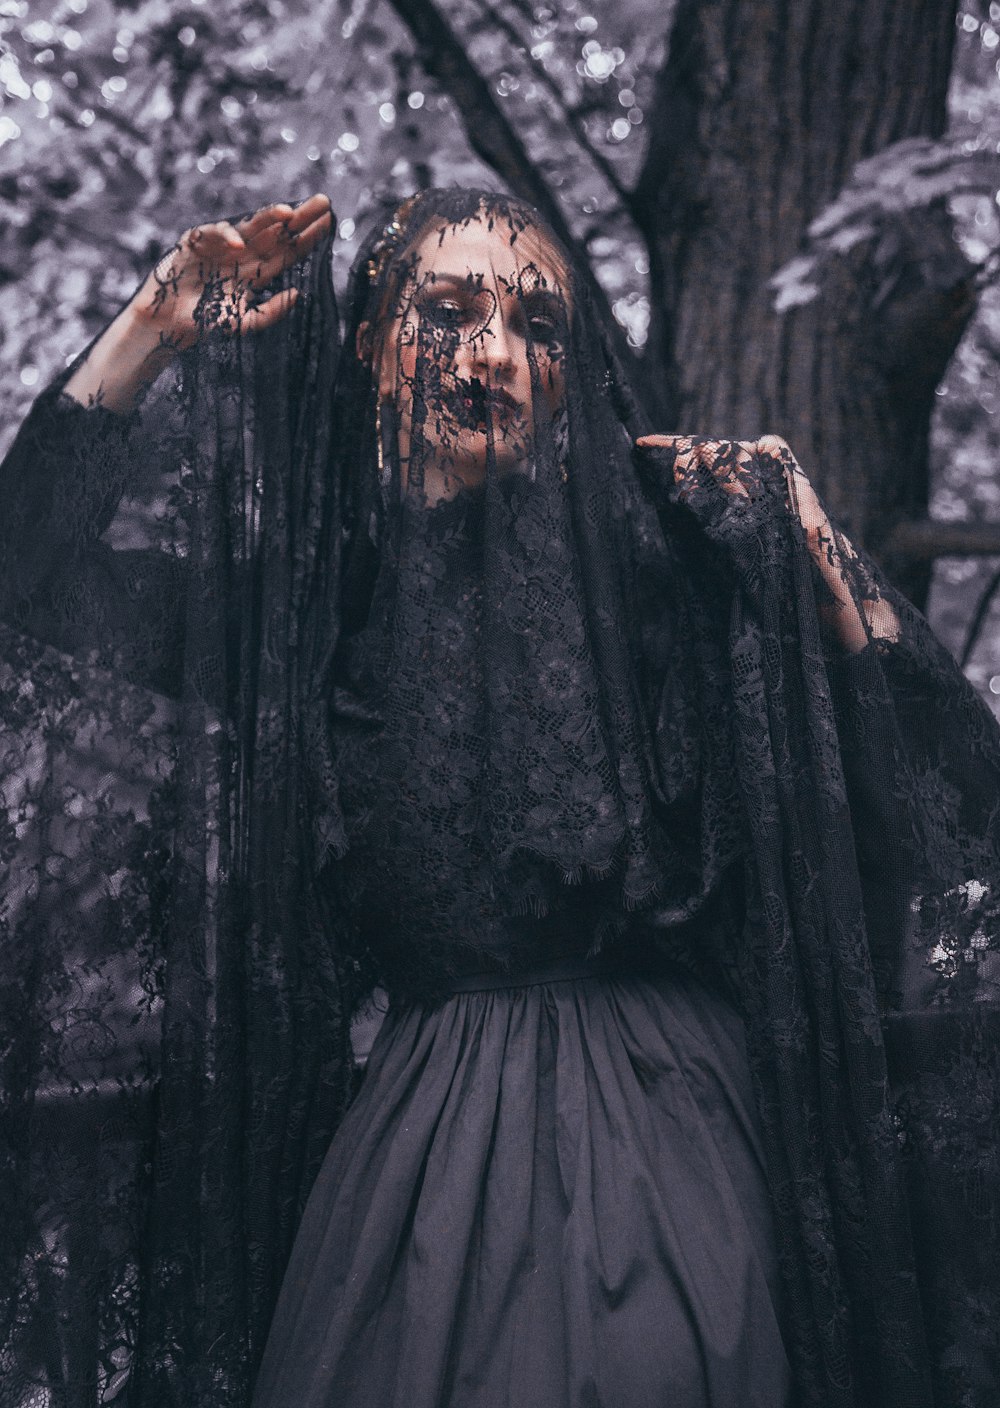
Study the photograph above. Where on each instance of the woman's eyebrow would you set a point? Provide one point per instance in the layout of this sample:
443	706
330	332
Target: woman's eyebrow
483	278
470	282
542	294
463	281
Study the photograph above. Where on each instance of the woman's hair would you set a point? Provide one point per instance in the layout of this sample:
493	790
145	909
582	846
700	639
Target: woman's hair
381	261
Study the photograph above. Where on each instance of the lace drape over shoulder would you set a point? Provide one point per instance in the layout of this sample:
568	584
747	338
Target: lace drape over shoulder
336	604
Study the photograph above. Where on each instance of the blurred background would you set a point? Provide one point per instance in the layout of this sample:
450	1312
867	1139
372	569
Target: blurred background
792	210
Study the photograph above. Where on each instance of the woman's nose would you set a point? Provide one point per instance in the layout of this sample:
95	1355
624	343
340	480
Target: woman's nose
493	350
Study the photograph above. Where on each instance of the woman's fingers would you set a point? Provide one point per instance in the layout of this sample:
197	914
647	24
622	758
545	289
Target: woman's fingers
662	442
312	209
218	237
267	215
307	235
280	254
280	224
243	257
726	463
266	230
265	315
257	250
774	445
229	234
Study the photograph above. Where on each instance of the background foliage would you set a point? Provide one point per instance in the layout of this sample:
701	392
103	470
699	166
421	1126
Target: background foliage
123	123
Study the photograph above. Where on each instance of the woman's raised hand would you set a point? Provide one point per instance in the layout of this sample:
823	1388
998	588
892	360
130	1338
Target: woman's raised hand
736	466
739	468
211	277
210	280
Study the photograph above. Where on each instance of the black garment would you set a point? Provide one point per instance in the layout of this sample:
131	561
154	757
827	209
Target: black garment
546	1194
659	734
550	1189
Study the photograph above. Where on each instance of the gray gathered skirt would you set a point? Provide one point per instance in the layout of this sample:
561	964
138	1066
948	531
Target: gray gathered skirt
545	1195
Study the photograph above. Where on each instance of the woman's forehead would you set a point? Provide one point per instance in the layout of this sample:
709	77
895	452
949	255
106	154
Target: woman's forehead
492	249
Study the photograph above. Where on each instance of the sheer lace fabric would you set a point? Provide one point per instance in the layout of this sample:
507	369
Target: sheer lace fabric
308	611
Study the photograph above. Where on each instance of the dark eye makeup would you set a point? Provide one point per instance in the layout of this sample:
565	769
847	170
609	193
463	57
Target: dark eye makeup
468	309
545	315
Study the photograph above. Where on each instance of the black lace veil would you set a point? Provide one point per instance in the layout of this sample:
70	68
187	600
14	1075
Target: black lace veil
317	604
503	564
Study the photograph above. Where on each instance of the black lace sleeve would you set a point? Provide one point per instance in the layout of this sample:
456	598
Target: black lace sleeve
62	482
869	787
174	993
920	763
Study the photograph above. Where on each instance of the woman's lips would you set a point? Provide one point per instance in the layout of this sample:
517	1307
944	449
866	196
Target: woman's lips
506	402
478	404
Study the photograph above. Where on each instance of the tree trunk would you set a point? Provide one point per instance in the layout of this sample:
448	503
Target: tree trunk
762	109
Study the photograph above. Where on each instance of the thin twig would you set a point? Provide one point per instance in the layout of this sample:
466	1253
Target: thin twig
979	618
494	140
572	117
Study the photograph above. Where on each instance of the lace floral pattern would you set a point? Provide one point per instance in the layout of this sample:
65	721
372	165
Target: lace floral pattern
332	668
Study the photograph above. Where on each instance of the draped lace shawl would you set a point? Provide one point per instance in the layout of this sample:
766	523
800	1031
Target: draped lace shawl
816	829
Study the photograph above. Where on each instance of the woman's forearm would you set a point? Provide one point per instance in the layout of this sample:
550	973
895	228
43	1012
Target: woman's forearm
124	361
854	622
168	314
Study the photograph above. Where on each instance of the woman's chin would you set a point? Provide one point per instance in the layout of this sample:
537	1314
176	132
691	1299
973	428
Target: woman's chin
468	459
482	455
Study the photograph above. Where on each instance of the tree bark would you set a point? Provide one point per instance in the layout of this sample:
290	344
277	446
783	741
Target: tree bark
762	109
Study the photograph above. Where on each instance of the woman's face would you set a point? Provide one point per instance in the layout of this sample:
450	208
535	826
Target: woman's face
479	332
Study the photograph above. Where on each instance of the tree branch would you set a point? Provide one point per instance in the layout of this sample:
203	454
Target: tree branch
488	131
573	119
978	620
494	140
922	540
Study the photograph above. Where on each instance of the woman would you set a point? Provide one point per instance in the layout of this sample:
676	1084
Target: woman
605	756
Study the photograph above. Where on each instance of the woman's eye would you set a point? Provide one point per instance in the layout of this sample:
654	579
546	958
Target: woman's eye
446	312
546	330
542	329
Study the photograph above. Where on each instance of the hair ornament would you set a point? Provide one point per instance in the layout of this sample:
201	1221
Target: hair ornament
389	240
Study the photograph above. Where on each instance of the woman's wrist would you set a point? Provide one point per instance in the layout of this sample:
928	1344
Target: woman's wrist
124	362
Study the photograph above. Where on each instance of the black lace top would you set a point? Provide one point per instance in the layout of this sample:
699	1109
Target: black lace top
416	879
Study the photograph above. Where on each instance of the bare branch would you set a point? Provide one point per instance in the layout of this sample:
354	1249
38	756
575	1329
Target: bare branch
923	540
978	620
489	132
572	117
494	140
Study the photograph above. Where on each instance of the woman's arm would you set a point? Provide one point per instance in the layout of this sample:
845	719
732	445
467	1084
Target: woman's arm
734	466
76	452
208	280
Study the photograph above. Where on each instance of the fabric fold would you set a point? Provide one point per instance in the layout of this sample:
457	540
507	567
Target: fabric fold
513	1212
